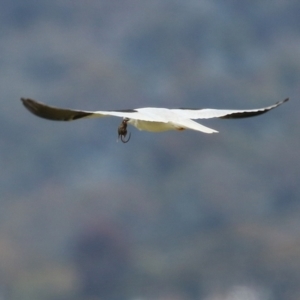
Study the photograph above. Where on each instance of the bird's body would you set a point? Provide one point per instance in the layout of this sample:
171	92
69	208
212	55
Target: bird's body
151	126
148	118
165	120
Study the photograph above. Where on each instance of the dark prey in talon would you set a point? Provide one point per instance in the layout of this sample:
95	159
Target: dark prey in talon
122	131
152	119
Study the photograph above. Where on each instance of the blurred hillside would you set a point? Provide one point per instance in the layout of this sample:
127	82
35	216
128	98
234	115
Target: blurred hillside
176	215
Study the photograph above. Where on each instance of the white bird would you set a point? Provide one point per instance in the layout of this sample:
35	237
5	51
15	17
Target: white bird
148	118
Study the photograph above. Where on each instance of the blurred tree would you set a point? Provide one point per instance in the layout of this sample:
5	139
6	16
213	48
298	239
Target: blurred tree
101	257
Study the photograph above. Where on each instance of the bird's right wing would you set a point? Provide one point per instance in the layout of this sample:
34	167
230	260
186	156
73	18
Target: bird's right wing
62	114
208	113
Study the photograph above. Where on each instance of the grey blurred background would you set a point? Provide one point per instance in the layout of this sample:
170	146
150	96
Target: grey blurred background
169	216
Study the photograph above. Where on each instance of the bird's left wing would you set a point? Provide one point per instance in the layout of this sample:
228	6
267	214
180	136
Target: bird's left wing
62	114
224	113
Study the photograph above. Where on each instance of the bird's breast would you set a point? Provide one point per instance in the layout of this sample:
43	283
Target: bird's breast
151	126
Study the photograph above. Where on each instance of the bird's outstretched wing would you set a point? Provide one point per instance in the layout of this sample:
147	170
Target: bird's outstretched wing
209	113
62	114
148	118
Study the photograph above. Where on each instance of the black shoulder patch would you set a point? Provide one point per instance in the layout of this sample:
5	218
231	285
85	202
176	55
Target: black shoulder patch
186	108
125	110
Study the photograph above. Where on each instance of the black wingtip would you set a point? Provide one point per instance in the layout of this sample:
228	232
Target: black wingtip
29	104
283	101
23	100
52	113
37	108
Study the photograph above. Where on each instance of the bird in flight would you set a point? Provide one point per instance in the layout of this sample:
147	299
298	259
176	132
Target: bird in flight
148	118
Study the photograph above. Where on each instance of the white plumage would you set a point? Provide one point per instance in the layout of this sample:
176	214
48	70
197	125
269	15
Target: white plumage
148	118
